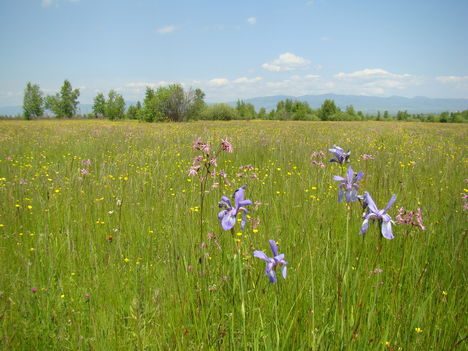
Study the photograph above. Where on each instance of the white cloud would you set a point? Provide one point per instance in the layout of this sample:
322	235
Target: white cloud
247	80
452	79
324	38
371	73
311	76
287	62
251	20
167	29
146	84
374	81
218	82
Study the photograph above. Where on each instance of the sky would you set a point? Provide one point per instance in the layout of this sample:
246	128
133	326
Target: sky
235	49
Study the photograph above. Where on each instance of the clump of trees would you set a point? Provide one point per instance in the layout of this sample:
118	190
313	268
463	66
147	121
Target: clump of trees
171	103
64	103
176	104
33	102
113	107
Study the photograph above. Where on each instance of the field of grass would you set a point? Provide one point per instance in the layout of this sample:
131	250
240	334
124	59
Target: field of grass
110	254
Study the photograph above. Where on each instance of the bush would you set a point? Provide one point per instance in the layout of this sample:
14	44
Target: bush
219	112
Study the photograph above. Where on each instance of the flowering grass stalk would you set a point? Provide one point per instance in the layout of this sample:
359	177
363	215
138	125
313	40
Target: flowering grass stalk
204	165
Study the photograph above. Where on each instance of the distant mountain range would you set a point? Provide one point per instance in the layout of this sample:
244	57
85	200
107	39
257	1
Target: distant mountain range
366	104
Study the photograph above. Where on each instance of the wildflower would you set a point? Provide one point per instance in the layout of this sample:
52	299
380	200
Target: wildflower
317	154
418	330
226	145
86	296
340	156
381	216
367	157
86	162
227	216
194	170
273	263
410	217
348	185
84	171
34	290
320	164
198	145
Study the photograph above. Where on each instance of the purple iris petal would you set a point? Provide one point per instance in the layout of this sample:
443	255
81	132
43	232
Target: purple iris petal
387	230
339	179
274	248
221	214
239	195
365	225
227	217
390	203
261	255
273	263
226	200
284	271
340	195
348	186
359	176
381	216
245	203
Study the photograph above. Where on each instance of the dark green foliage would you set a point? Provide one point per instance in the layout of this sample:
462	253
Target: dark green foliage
327	109
114	106
63	104
33	103
245	110
133	111
221	112
172	103
99	105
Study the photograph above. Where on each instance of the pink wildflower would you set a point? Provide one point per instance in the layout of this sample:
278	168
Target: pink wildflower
410	217
367	157
226	145
320	164
193	170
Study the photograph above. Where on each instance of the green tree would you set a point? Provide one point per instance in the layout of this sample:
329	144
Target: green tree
222	112
99	105
133	111
198	104
33	103
327	109
245	110
63	104
262	114
153	104
114	106
172	103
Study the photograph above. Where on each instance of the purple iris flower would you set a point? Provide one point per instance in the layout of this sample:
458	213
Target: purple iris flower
340	155
348	185
227	216
380	215
273	263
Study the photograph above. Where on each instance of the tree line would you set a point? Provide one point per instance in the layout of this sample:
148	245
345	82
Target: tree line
176	104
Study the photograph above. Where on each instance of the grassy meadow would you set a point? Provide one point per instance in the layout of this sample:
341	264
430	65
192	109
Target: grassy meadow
110	253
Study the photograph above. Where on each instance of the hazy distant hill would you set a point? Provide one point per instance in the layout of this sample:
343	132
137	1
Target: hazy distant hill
366	104
369	104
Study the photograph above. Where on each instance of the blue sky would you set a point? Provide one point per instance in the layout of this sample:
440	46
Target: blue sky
235	49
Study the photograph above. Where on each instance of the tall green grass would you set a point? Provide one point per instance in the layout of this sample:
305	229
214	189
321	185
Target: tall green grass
112	260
